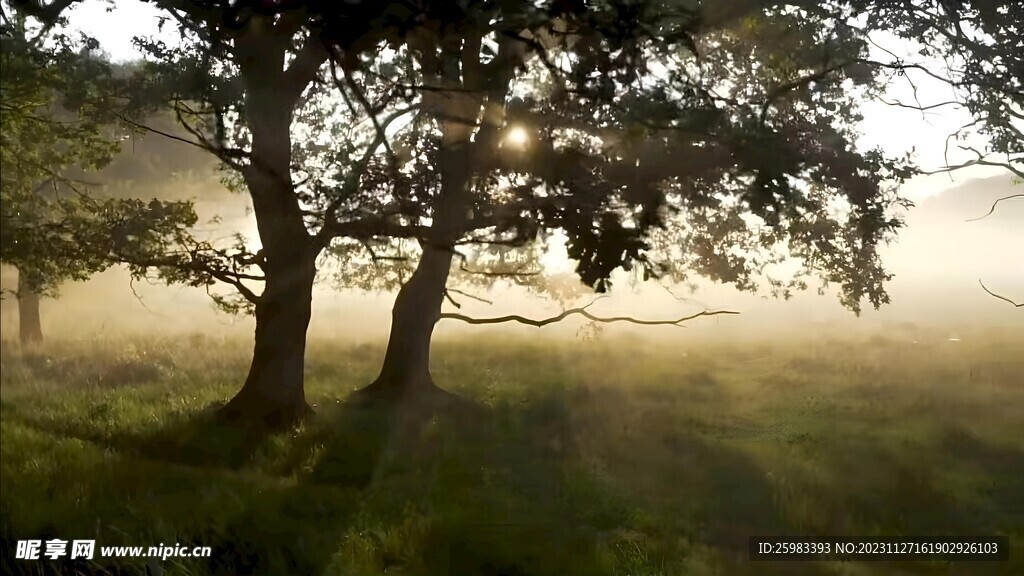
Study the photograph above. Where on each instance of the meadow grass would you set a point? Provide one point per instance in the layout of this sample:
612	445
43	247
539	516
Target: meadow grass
617	457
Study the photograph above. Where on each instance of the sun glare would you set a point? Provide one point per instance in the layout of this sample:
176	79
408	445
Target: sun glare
517	136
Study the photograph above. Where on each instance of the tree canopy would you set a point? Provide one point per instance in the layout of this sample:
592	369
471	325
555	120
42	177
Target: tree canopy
50	123
59	103
744	115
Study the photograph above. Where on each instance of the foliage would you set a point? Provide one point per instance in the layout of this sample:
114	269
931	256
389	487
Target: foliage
652	142
41	136
58	103
669	138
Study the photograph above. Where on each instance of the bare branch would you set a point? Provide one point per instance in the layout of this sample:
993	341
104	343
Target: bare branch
682	299
584	313
370	111
448	297
993	294
143	127
131	286
470	296
993	208
979	162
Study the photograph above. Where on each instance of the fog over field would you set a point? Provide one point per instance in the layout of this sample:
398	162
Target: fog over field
937	262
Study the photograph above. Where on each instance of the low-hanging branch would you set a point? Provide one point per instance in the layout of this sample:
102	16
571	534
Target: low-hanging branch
584	313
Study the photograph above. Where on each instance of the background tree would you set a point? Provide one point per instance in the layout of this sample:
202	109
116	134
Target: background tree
35	145
56	132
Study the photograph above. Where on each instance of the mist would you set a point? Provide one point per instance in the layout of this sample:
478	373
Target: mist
937	262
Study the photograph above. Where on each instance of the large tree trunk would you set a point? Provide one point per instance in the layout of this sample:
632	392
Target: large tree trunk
406	369
30	327
273	393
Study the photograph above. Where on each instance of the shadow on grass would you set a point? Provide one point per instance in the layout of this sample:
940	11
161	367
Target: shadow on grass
577	480
191	439
466	490
509	490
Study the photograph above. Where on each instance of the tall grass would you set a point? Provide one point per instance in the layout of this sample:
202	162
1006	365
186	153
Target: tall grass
617	457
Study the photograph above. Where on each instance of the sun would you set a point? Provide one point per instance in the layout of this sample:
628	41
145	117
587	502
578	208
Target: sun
517	136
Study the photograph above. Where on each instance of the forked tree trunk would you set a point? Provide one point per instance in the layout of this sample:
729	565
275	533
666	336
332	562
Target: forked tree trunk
273	394
30	327
405	373
406	369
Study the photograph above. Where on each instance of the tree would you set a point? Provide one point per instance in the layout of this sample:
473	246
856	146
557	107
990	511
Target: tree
33	147
655	136
55	129
614	123
240	80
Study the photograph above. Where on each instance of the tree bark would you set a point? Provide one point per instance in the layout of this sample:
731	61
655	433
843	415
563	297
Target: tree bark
406	369
274	394
405	373
30	327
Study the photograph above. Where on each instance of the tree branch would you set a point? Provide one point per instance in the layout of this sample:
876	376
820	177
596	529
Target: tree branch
464	267
332	228
584	313
304	67
448	297
48	13
993	208
145	128
991	293
782	90
979	162
468	295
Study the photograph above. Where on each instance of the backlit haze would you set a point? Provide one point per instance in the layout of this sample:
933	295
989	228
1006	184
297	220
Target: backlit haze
937	261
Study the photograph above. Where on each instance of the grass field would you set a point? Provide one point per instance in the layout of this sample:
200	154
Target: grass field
614	457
